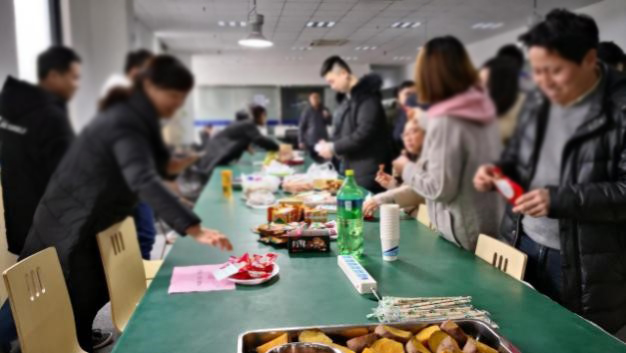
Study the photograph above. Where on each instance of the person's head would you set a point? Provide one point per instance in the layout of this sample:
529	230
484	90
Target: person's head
58	71
136	61
500	77
315	100
514	53
403	91
337	74
443	70
166	82
241	115
413	137
612	55
563	54
208	128
259	114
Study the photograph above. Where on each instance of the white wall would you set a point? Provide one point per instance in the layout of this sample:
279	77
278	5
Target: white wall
143	36
610	15
100	33
8	51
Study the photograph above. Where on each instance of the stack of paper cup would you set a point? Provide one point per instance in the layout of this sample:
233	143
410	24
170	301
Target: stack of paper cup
390	231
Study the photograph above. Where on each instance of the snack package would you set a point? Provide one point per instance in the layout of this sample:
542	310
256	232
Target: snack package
253	267
507	187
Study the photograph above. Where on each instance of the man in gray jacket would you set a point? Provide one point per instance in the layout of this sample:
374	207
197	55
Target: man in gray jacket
313	126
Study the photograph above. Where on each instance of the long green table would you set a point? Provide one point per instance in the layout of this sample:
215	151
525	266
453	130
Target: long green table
312	290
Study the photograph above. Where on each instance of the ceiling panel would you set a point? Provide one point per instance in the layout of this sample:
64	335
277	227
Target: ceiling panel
360	22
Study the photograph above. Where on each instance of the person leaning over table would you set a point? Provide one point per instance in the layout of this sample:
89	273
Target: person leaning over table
229	144
397	192
569	153
118	159
461	134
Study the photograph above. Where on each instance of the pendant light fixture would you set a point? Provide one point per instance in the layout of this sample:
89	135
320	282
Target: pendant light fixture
255	39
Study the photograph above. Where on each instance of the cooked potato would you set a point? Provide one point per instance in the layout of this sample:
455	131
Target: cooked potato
354	332
435	340
386	345
280	340
357	344
341	348
450	327
483	348
314	336
393	333
415	346
470	346
368	350
425	334
448	344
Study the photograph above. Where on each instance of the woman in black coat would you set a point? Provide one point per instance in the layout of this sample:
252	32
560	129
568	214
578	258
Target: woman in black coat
118	159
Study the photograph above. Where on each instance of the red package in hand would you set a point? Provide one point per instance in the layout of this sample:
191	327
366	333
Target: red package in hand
507	187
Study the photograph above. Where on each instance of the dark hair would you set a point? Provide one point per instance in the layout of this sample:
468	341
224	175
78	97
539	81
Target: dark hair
513	53
164	71
503	84
443	70
330	63
257	112
241	115
136	59
571	35
404	85
611	54
56	58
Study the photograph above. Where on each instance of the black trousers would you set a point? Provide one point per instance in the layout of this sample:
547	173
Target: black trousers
543	269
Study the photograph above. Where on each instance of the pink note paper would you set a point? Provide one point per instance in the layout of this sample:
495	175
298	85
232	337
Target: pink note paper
190	279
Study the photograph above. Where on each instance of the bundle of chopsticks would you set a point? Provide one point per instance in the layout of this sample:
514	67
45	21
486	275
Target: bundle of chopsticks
396	309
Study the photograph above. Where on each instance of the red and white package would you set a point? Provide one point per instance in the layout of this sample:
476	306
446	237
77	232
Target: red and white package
253	267
507	187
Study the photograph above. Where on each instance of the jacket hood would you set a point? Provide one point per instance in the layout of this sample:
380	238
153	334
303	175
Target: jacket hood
19	98
367	85
473	104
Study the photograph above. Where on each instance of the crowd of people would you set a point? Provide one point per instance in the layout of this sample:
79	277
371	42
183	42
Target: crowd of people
555	126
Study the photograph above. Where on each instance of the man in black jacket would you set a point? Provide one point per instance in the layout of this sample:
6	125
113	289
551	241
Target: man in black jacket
569	153
362	139
35	132
313	126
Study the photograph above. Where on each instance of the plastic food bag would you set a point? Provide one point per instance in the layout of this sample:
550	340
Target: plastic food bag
258	182
322	171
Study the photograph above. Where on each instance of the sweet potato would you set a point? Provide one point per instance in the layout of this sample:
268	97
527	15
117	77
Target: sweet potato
483	348
415	346
314	336
450	327
357	344
368	350
448	344
425	334
470	346
435	340
354	332
386	345
393	333
280	340
341	348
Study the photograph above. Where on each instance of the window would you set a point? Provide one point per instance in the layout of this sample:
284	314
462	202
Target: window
33	35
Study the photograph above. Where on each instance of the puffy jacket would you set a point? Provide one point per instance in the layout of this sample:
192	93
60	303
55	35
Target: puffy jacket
363	140
35	132
590	202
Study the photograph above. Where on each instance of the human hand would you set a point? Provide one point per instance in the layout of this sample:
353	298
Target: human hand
484	178
534	203
399	164
324	149
386	180
210	237
370	206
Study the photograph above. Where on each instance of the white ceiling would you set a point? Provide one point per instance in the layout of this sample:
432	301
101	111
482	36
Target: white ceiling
191	26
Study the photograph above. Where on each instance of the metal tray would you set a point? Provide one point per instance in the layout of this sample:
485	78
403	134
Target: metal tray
479	330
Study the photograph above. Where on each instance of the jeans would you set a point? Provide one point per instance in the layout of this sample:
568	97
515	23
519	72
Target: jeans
543	270
8	332
146	232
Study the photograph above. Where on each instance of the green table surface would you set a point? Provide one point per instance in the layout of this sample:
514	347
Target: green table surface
312	290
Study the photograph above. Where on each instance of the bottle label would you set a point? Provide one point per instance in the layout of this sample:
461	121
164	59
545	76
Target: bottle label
350	205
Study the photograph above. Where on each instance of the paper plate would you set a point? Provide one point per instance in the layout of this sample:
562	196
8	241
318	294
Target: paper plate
256	281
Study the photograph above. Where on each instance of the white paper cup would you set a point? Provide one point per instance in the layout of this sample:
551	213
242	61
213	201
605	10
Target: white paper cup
390	248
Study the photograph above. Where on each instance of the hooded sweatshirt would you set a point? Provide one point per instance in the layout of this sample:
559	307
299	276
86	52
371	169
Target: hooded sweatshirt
35	133
461	135
362	139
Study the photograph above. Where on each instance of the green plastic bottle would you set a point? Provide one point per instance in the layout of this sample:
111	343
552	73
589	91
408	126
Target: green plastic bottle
350	217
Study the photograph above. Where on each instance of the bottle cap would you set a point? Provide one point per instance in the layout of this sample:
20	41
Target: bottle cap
349	172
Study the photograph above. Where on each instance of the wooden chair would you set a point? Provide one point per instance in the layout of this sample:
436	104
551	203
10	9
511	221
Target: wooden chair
151	267
41	305
502	256
423	217
124	270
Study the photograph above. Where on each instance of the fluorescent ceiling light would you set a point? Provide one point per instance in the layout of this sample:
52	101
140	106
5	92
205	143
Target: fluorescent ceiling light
321	24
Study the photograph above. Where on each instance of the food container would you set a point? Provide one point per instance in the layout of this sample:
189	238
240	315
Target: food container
479	330
299	347
316	241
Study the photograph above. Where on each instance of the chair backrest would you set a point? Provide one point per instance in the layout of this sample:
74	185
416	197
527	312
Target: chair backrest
502	256
123	268
6	258
423	217
41	305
